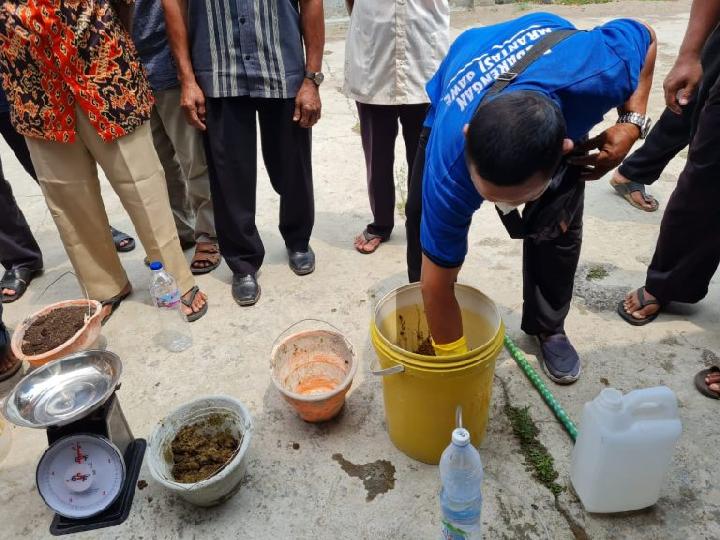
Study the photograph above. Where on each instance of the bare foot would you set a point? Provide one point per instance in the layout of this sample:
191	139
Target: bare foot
647	203
197	304
367	246
713	382
632	306
8	292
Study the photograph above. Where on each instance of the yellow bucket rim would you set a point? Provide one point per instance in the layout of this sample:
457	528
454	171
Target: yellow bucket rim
434	363
456	362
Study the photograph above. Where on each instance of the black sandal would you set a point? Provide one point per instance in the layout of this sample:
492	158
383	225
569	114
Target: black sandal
626	190
702	386
17	279
368	237
194	316
114	302
119	237
644	302
9	373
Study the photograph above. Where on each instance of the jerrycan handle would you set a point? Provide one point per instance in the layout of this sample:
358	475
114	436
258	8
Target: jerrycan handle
652	403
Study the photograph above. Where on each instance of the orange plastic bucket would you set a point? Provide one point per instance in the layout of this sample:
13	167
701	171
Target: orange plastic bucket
83	339
313	370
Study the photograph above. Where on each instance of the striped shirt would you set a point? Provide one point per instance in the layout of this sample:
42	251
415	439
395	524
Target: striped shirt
247	47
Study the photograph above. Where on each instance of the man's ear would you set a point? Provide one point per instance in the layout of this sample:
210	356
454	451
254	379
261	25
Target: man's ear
568	146
465	129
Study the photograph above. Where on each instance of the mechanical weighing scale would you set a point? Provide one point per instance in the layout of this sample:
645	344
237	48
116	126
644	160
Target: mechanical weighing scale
89	471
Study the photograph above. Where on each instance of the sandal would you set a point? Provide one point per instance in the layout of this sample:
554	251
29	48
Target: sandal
7	374
114	302
205	252
17	279
702	386
368	236
626	190
188	303
644	302
119	237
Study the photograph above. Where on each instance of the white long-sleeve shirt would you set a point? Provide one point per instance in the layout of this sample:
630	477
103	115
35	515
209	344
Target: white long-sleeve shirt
393	48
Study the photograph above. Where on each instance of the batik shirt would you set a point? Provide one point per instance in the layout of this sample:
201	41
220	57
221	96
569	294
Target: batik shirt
56	54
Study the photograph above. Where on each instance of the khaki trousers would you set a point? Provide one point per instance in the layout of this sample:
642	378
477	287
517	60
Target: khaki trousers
180	149
69	179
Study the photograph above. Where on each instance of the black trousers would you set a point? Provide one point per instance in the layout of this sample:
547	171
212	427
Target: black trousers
688	247
549	264
669	136
672	132
231	147
18	247
379	129
17	144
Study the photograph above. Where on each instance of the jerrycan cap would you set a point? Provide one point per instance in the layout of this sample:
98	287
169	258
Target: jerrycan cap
611	398
460	437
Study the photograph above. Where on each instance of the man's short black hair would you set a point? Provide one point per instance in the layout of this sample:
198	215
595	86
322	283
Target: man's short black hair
514	136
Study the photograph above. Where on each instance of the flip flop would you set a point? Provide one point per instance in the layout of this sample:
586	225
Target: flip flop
368	236
188	303
13	370
626	191
118	237
644	302
114	302
17	279
702	386
205	252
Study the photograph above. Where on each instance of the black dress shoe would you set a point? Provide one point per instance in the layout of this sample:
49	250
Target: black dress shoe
245	289
302	262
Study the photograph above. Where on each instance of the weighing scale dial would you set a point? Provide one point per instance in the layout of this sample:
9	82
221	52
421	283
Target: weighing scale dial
80	475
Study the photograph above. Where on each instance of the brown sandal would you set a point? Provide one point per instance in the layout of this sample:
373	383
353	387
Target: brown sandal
205	252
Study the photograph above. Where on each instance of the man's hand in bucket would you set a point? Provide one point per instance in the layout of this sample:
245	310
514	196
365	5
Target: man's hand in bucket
612	146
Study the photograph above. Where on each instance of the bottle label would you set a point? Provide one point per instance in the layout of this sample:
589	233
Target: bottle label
168	301
451	532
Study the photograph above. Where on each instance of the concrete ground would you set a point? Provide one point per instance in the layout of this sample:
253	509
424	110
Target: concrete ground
294	488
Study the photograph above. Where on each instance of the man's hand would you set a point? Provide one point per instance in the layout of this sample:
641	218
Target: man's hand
613	145
192	101
307	105
682	82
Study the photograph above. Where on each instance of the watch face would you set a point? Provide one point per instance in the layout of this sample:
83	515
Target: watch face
319	78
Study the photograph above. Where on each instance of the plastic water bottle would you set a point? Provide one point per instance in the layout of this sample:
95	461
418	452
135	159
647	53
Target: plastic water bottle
174	330
461	474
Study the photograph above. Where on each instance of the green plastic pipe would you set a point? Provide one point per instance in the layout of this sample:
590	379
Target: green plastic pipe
539	385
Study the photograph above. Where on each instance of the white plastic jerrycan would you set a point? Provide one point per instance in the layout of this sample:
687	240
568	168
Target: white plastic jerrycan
624	449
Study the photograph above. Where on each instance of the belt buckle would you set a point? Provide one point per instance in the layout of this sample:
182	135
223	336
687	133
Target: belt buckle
507	76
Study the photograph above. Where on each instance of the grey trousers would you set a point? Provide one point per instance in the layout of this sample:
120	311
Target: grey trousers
180	149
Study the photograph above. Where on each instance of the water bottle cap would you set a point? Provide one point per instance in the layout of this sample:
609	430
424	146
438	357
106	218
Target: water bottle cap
460	437
156	265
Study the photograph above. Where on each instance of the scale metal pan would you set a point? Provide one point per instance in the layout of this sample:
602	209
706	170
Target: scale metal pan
65	390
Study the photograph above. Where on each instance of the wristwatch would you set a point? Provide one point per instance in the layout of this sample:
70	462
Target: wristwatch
315	76
640	120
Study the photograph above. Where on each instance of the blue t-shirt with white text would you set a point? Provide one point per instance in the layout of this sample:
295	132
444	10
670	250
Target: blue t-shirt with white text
587	74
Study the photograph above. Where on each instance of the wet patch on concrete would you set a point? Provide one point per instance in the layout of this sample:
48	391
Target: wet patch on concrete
589	287
709	358
378	477
668	365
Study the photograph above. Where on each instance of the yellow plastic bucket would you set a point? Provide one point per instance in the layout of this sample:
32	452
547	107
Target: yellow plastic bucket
421	392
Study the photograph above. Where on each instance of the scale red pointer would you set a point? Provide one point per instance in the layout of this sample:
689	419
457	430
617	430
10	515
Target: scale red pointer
79	457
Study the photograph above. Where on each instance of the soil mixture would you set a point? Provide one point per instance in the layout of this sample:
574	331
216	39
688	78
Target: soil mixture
53	329
426	347
197	456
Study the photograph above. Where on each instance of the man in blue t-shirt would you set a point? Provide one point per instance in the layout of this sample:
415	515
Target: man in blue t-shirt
526	146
